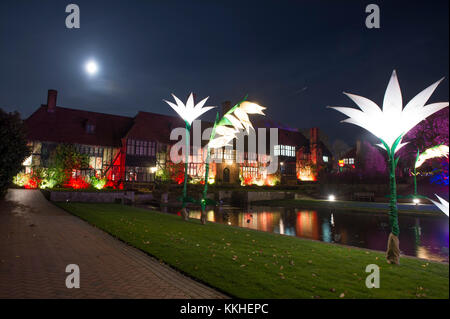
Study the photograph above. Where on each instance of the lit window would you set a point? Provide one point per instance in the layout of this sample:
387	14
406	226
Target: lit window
325	159
284	150
228	154
141	148
250	171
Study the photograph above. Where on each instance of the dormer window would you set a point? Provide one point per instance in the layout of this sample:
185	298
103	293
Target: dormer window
90	128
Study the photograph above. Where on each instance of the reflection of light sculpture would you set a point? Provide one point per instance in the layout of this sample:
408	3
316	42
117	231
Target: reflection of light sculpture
390	124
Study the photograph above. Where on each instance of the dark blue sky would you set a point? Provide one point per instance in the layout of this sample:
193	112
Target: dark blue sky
295	57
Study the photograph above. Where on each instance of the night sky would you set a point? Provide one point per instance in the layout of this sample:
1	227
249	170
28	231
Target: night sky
294	57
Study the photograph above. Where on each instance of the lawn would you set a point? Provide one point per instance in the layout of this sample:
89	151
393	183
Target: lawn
252	264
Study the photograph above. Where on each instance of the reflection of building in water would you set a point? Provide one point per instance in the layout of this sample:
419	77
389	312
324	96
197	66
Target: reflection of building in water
307	224
264	221
210	216
196	214
267	221
248	220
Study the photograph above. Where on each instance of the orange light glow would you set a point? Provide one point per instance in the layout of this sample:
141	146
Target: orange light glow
306	175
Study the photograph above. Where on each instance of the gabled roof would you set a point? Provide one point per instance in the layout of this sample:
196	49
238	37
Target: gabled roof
65	125
153	126
349	154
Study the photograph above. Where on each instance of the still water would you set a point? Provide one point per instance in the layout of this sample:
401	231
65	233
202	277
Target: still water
421	236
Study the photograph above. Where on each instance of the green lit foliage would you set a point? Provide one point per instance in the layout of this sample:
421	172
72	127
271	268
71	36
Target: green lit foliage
98	182
64	160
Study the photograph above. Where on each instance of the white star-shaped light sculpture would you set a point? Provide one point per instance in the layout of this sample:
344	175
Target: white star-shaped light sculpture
393	121
442	205
189	112
390	124
232	122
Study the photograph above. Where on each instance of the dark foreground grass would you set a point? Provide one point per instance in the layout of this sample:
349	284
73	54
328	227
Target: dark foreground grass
252	264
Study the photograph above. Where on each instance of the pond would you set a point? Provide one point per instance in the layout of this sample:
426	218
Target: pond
421	236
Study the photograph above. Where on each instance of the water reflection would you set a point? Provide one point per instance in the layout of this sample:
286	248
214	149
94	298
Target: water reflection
424	236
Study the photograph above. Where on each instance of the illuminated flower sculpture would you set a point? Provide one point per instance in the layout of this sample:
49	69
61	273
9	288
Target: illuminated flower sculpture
390	124
443	205
188	112
232	122
432	152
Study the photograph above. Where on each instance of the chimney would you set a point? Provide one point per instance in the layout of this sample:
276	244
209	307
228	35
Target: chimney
358	148
226	106
51	100
313	140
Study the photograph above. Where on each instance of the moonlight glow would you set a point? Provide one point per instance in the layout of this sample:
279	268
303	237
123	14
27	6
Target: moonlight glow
91	67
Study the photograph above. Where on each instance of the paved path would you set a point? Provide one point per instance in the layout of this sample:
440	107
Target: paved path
38	240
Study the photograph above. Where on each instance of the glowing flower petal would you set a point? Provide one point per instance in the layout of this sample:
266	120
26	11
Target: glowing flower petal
392	121
420	99
392	102
243	117
443	205
189	112
221	141
432	152
252	108
237	117
225	130
237	125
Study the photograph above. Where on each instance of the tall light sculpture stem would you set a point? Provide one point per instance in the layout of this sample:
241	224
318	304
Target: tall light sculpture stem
188	112
227	128
203	201
186	166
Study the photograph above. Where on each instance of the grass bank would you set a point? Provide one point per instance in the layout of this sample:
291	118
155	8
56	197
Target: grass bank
252	264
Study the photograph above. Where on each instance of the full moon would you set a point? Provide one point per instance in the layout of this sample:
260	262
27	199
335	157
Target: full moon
91	67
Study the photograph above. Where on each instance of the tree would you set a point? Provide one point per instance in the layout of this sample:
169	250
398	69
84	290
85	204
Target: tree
13	148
